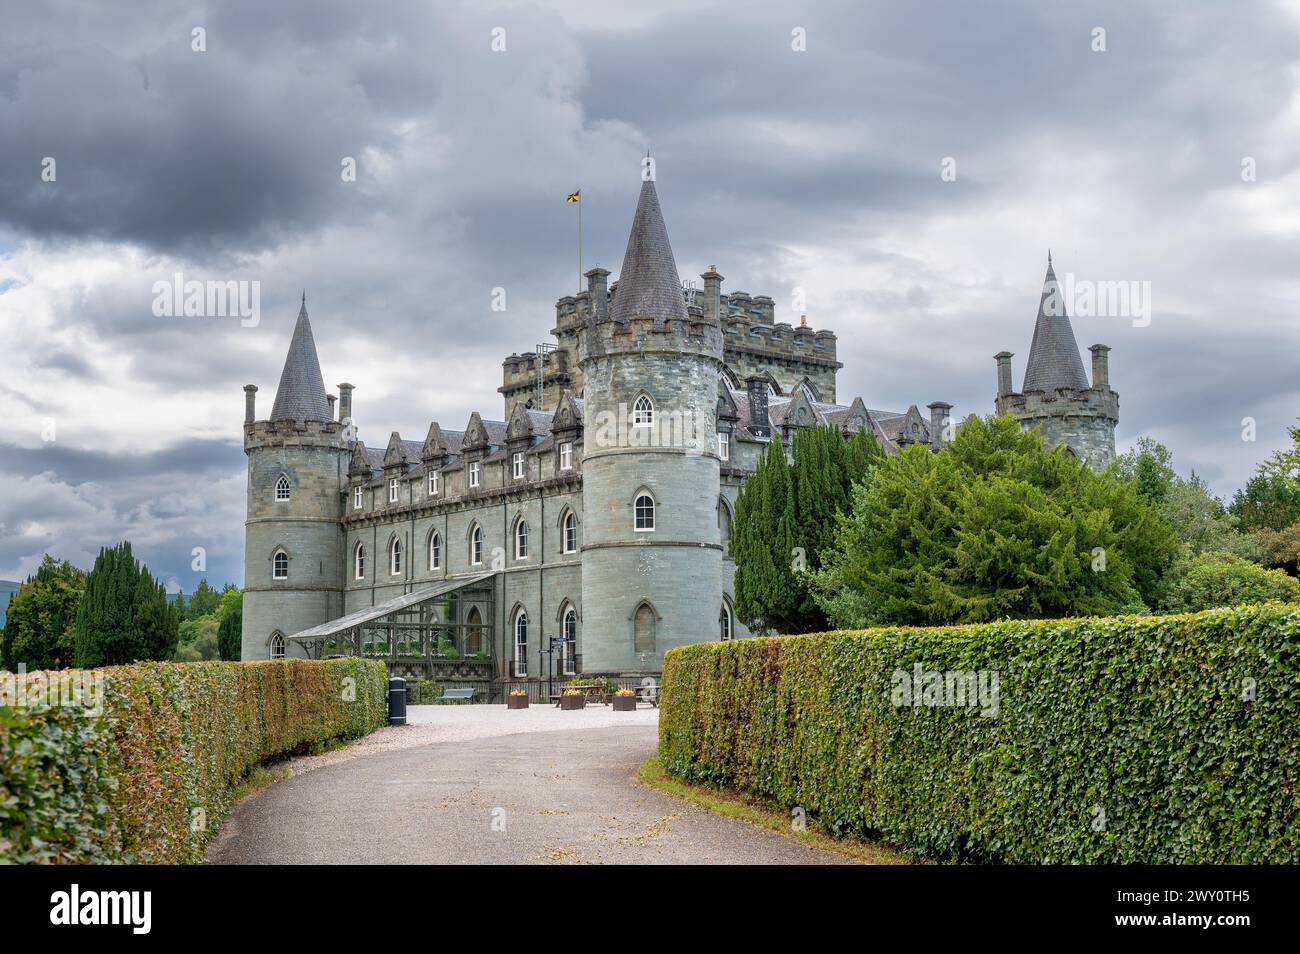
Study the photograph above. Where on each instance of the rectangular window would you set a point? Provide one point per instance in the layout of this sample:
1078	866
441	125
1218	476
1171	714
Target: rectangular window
724	445
356	498
433	483
392	490
519	467
566	456
474	470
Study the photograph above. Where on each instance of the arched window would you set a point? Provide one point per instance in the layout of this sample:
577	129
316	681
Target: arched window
569	664
724	524
280	565
277	646
282	488
643	629
569	534
645	512
521	540
395	556
473	632
435	552
521	643
359	561
476	546
643	412
724	622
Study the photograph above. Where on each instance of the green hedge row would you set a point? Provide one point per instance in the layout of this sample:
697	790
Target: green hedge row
149	776
1116	740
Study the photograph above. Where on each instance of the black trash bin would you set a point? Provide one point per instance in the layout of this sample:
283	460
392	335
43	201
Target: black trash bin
397	701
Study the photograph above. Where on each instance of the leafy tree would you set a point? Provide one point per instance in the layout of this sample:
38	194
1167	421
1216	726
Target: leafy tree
203	602
993	526
40	622
1222	579
204	644
124	615
1271	499
1150	466
785	520
231	631
1280	549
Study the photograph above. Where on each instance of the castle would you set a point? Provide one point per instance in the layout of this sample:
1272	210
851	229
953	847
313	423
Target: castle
588	530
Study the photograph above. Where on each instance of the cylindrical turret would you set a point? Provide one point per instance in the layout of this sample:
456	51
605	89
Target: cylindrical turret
652	555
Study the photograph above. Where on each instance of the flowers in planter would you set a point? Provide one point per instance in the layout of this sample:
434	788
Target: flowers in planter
625	692
519	692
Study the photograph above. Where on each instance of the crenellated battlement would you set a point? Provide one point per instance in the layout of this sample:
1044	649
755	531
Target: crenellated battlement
692	336
297	433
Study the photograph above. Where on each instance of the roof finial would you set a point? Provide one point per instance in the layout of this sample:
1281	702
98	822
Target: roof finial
1049	256
304	291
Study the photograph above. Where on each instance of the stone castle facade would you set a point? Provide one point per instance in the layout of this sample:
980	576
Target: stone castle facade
587	531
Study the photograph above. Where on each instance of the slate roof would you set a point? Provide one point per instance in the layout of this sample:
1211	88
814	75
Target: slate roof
648	285
1054	361
301	394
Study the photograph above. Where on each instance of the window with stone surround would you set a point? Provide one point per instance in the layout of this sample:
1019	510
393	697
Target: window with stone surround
435	552
433	483
395	557
566	456
392	490
569	538
643	412
282	488
280	565
475	470
476	546
359	562
521	540
356	498
519	465
644	513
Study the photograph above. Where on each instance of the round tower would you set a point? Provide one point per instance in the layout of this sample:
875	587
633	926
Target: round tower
297	472
651	554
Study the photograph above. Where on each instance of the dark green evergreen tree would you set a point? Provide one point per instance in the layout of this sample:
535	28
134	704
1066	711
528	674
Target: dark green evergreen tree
230	635
41	618
124	615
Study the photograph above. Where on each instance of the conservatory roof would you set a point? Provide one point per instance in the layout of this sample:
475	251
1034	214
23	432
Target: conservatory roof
379	610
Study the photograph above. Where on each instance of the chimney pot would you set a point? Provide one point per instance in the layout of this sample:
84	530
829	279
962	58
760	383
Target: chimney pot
250	403
345	402
1100	367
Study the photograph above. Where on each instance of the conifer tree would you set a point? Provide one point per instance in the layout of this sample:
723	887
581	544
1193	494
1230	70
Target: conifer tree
124	615
230	634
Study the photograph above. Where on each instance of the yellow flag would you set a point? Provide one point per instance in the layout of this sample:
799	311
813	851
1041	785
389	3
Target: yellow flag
574	196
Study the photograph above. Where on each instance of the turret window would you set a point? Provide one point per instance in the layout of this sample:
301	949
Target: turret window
280	565
645	512
282	488
475	471
392	490
520	466
643	412
395	557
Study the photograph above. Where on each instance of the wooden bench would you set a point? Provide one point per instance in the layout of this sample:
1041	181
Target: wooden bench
466	694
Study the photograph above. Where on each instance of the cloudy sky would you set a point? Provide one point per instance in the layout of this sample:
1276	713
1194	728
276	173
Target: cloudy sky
818	168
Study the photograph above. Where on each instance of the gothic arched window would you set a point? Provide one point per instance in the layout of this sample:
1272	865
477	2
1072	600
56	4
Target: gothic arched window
644	512
521	643
282	488
435	552
395	556
569	537
359	561
277	646
521	540
280	565
643	412
569	662
643	629
476	546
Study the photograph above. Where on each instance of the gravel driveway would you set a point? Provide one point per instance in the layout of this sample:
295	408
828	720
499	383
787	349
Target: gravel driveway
481	784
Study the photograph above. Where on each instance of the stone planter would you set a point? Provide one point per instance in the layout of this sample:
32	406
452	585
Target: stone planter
573	702
625	703
516	702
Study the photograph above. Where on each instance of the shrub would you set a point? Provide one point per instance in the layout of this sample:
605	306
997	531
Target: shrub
1117	740
150	777
1221	579
422	692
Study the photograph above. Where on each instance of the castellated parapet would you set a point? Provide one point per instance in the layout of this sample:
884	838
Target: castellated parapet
1082	420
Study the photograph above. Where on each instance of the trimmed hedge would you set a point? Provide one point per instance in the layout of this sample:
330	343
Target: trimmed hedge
1116	740
149	779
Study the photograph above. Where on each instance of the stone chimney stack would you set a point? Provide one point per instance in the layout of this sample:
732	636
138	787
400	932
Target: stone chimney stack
345	401
760	424
1100	367
331	398
712	293
1003	359
598	292
250	403
939	417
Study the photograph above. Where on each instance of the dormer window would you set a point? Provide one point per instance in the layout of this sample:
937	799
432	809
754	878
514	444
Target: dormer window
282	488
433	483
520	467
392	490
475	472
643	412
356	498
566	456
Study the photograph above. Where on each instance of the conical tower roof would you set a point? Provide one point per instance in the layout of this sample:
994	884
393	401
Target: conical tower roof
648	285
301	394
1054	361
